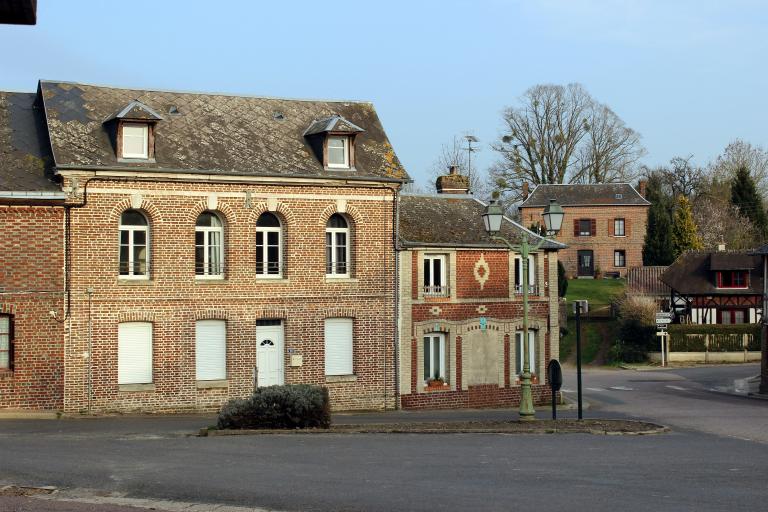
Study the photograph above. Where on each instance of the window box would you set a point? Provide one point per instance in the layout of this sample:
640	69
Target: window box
436	385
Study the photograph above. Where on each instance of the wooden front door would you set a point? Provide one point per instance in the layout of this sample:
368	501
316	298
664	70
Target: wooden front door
586	263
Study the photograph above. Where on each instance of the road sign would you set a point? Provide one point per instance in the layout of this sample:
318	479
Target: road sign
584	306
663	317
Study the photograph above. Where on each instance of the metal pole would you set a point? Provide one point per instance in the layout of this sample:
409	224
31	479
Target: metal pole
554	403
526	396
578	355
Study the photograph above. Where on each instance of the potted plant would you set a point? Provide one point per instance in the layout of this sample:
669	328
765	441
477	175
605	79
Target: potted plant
436	382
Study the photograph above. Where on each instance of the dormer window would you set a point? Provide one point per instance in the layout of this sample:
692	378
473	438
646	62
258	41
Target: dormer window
338	152
134	127
135	140
332	139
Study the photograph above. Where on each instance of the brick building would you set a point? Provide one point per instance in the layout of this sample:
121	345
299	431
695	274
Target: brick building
461	304
604	225
173	250
31	262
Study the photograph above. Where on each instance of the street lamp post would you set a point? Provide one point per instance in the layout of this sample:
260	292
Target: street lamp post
553	220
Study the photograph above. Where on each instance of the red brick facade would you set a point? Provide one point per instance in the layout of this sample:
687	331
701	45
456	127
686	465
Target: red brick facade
172	299
602	241
31	288
478	319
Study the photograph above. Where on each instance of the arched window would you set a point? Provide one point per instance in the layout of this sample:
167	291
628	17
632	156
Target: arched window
134	245
269	260
209	246
337	246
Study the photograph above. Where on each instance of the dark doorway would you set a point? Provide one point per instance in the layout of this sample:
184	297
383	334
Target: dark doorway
586	264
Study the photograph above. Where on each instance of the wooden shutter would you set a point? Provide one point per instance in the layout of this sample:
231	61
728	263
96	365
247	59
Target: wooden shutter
338	346
134	353
576	227
627	228
211	350
611	226
592	227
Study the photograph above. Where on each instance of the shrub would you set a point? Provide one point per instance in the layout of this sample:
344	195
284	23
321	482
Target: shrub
637	329
279	407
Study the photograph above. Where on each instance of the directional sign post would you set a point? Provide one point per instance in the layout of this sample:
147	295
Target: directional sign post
663	319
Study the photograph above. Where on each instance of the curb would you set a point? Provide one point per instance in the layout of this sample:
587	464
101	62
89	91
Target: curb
426	428
18	414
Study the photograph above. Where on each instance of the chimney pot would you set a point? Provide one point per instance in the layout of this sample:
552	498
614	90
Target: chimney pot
453	169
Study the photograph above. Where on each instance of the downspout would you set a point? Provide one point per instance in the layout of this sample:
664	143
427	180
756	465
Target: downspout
395	235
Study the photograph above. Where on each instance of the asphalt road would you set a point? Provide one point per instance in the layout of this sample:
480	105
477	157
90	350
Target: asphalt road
689	469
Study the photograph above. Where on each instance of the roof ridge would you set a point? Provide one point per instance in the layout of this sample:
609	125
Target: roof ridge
209	93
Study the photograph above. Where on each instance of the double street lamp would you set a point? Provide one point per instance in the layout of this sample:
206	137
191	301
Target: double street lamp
553	221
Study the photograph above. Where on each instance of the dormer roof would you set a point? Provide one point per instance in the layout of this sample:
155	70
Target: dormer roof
136	111
335	123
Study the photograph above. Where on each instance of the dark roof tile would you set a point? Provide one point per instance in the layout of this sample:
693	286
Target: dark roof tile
691	274
613	194
448	220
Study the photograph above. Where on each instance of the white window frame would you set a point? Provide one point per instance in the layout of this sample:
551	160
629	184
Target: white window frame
616	254
345	147
131	230
619	222
532	285
343	363
124	350
205	345
143	133
264	274
6	335
519	356
429	286
432	364
334	246
207	231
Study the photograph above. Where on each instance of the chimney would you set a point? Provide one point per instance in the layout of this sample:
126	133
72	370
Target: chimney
525	190
453	182
641	187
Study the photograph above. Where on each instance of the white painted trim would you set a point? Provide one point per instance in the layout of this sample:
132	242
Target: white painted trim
254	197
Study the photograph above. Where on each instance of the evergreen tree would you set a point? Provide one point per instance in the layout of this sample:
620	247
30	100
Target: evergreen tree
562	281
746	198
657	247
685	236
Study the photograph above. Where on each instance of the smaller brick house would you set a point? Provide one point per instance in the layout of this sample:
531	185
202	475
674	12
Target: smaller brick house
604	225
461	305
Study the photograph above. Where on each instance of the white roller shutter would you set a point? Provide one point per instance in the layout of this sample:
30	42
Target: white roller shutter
338	346
211	350
134	353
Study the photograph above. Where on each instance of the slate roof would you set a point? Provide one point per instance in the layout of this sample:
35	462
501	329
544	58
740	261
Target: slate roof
213	133
25	160
601	194
692	273
451	220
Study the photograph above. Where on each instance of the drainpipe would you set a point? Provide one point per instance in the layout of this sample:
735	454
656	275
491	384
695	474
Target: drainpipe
89	291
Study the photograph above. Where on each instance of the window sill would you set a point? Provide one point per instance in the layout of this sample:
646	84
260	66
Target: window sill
439	388
212	384
340	378
136	160
134	281
136	387
274	279
210	280
340	279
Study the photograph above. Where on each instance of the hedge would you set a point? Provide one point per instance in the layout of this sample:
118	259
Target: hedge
713	337
290	406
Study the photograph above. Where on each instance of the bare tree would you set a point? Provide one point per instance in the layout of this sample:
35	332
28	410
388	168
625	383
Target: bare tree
719	222
560	134
456	153
683	177
611	149
742	154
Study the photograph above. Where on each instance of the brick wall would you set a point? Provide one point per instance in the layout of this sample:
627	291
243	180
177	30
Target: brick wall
172	299
603	243
458	316
31	286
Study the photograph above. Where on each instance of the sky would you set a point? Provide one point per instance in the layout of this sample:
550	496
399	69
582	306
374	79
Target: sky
689	76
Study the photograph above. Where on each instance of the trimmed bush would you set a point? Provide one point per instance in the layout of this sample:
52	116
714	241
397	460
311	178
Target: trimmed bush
290	406
637	329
